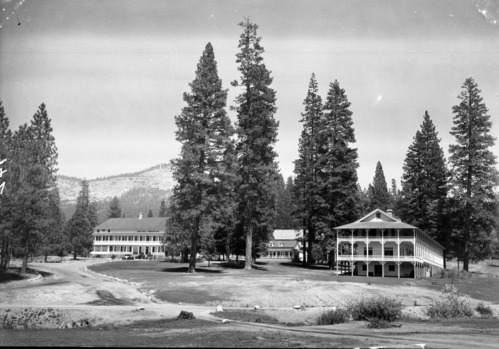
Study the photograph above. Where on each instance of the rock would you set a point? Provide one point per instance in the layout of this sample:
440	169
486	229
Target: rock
179	303
140	308
219	309
297	307
225	321
257	307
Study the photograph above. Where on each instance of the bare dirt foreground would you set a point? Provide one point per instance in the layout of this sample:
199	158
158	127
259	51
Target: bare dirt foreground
68	295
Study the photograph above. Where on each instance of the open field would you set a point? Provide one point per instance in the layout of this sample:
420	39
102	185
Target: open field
77	292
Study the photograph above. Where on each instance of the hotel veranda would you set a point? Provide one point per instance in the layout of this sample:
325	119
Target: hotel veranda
380	244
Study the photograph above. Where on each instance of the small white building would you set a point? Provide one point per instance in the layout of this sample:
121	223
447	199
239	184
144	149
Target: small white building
285	244
380	244
132	236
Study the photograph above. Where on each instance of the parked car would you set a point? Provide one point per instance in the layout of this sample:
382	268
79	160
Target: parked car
127	257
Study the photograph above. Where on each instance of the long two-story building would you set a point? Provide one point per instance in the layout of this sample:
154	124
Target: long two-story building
133	236
380	244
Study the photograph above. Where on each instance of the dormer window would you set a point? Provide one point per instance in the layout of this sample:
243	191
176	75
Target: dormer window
378	215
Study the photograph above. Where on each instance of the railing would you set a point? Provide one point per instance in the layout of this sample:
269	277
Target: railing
106	243
357	257
375	239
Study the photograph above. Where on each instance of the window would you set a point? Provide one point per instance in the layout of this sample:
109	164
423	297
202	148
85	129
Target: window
141	238
370	251
364	267
378	214
271	245
136	238
281	244
388	251
147	238
391	268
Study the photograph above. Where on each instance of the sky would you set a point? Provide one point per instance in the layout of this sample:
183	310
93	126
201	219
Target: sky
112	72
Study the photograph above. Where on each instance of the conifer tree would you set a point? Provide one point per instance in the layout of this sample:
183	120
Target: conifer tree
34	160
340	160
257	131
424	181
149	214
474	176
114	208
162	209
204	130
80	227
378	191
309	183
5	198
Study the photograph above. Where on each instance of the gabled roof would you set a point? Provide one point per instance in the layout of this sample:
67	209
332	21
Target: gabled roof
377	219
286	234
143	224
285	244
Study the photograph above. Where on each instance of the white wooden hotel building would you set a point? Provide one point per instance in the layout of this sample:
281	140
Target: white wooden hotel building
133	236
380	244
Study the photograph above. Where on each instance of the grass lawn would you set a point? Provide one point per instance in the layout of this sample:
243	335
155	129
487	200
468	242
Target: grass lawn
166	273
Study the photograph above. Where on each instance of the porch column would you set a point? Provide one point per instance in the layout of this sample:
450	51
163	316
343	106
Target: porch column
337	252
351	263
398	269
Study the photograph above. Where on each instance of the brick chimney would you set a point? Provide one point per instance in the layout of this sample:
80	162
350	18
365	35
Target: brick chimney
389	212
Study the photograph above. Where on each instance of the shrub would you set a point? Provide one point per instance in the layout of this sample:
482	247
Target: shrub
450	304
381	307
377	323
331	317
113	256
484	310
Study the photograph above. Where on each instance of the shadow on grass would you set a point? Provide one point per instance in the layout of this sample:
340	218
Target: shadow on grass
184	270
300	266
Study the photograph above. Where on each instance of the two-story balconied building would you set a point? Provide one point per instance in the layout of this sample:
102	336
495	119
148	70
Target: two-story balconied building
129	236
380	244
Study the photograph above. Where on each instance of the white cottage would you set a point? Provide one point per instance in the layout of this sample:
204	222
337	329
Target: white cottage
380	244
132	236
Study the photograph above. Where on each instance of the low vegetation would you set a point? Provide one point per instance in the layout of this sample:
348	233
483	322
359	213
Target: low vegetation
450	304
377	311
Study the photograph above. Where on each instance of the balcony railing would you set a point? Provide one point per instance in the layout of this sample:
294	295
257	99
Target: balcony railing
357	257
375	239
105	243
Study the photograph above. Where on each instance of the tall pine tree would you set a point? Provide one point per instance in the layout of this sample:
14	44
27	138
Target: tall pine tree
309	183
163	210
114	208
257	131
80	227
378	191
34	161
474	176
424	182
5	198
340	160
204	130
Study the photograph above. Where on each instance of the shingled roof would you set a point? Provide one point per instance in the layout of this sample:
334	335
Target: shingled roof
377	219
135	224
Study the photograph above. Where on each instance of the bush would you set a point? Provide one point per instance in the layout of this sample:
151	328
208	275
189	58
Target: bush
484	310
381	307
377	323
331	317
450	304
113	256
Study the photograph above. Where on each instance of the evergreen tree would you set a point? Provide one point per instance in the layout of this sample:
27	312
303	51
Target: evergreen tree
424	182
162	209
340	163
309	183
204	130
257	131
378	191
285	208
474	176
80	227
34	160
114	208
53	238
149	214
5	198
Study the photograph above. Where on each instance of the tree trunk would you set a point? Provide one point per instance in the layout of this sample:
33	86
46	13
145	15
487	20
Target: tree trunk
249	247
74	255
24	266
194	247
